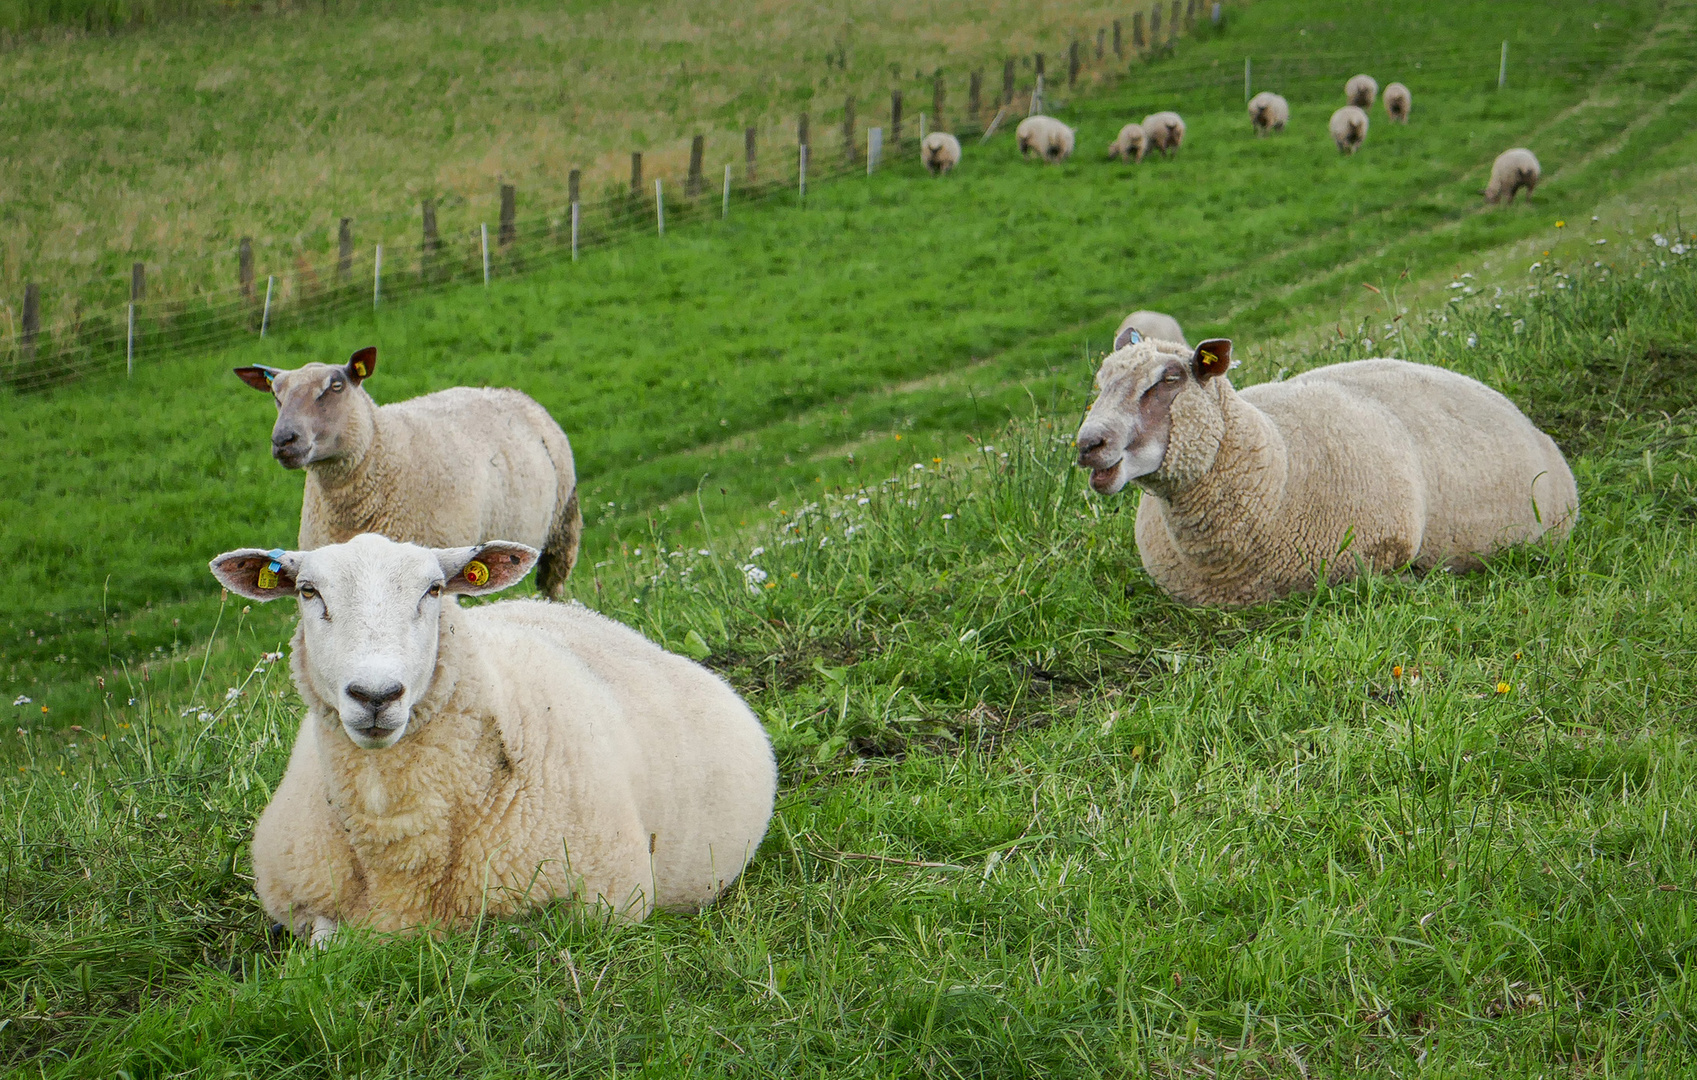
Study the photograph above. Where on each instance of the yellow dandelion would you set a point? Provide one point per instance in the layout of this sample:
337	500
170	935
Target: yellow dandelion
1561	224
1517	654
1396	671
771	584
936	461
795	573
1503	688
898	438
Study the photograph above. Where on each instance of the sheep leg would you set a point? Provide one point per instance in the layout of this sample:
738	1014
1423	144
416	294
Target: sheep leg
323	929
559	553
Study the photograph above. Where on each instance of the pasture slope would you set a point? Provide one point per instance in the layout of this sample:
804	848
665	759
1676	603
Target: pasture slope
1037	819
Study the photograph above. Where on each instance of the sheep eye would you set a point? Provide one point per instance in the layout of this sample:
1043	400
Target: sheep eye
336	386
434	590
307	592
1173	376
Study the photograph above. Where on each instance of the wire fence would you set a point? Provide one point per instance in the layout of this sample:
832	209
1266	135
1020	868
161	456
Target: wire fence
144	330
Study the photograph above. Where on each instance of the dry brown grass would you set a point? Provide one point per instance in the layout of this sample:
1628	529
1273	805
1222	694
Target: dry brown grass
168	143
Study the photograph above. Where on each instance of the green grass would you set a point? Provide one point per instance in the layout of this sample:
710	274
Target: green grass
784	349
1037	819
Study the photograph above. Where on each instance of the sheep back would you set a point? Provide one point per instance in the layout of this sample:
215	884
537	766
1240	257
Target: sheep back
1051	139
1514	171
1153	325
1129	144
1268	112
1398	102
560	755
1349	128
1415	464
1360	91
1164	131
940	152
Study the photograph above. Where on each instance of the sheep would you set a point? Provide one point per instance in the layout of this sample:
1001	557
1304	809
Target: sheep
458	466
1349	128
1397	102
1052	139
1130	144
456	761
1268	112
1371	465
1140	325
940	152
1164	131
1360	91
1514	171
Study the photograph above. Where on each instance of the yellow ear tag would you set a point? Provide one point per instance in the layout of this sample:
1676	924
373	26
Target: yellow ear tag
476	573
359	368
267	578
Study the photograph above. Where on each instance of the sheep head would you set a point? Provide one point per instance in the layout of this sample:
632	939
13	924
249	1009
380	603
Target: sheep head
370	618
1152	416
322	410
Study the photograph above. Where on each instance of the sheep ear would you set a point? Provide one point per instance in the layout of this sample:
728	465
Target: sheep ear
1128	336
258	376
1213	357
258	575
362	365
486	568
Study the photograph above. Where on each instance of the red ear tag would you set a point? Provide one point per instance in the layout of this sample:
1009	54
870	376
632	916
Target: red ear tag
476	573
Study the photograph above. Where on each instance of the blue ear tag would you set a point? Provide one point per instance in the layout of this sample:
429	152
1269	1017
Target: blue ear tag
268	574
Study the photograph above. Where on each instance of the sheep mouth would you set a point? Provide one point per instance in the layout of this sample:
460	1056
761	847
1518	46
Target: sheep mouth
1105	481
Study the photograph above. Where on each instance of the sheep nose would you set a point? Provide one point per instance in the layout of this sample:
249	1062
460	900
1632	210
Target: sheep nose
1090	442
281	439
376	698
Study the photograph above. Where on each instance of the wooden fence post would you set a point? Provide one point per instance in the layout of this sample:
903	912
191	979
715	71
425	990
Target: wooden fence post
345	251
1172	22
1189	14
748	150
635	175
939	94
1101	42
32	319
138	283
896	120
509	215
432	240
697	148
1073	64
975	95
138	293
848	130
244	267
1007	81
1119	46
1138	41
1038	60
1155	24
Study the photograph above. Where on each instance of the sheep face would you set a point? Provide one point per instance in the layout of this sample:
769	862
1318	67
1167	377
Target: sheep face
1147	390
370	618
320	407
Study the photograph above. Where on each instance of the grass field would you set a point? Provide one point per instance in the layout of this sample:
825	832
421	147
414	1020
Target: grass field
1036	818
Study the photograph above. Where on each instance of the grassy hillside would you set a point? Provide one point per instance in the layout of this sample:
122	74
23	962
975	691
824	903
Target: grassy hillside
1037	818
786	348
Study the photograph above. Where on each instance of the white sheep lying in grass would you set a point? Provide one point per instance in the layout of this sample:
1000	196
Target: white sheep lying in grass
1398	102
1349	128
1514	171
1164	131
1129	145
455	467
1360	91
1375	465
1144	325
1268	112
1052	139
456	761
940	152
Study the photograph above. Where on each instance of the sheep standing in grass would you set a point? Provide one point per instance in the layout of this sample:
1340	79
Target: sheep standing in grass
1164	131
1360	91
1514	171
458	466
1371	465
1268	112
1129	145
940	152
1398	101
1051	139
460	761
1142	325
1349	128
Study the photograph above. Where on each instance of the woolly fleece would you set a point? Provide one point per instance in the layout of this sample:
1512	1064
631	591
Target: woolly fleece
1052	139
1360	91
1153	324
1268	112
1398	102
1164	131
940	152
1251	492
1129	144
1514	171
1349	128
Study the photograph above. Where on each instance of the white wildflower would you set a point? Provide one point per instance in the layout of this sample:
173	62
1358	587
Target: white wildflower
21	700
754	576
1660	240
757	552
862	502
1472	340
948	517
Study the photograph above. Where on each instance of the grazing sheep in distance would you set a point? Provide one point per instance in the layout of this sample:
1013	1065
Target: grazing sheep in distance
1360	91
940	152
1268	112
1164	131
1514	171
458	466
1129	145
1052	139
1371	465
1142	325
456	761
1349	128
1398	101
